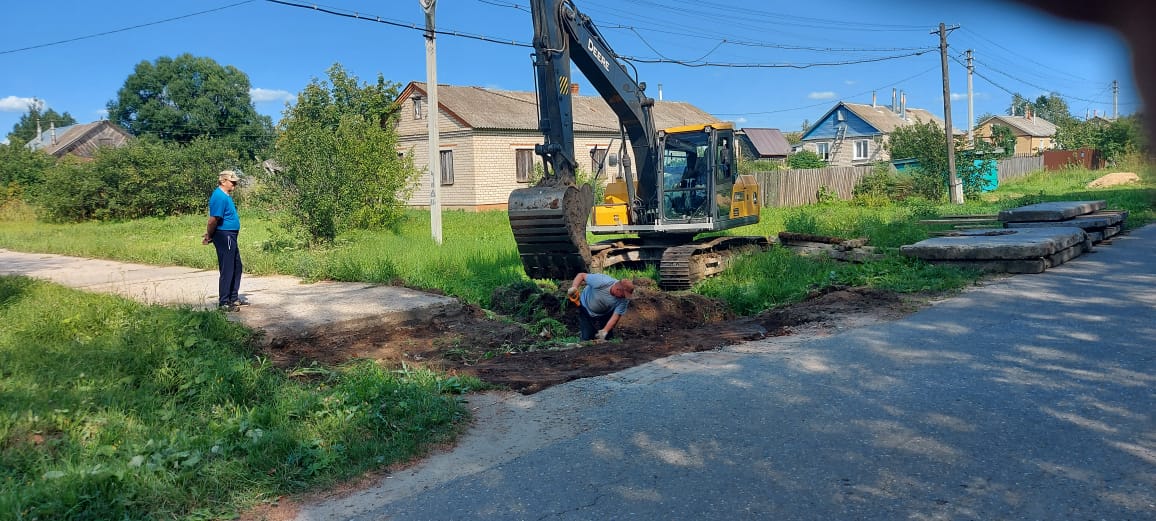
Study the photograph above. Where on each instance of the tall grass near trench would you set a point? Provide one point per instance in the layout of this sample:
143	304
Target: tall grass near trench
110	409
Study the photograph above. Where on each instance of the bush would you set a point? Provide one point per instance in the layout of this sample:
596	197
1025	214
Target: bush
805	159
21	171
881	186
143	179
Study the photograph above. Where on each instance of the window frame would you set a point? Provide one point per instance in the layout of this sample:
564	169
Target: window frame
866	149
823	150
523	169
446	169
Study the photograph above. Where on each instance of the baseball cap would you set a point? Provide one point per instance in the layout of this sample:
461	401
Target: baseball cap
228	175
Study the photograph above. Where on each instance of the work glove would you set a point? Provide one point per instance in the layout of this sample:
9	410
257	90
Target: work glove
571	293
601	335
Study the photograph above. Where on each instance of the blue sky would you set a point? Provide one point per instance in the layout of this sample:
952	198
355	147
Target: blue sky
743	47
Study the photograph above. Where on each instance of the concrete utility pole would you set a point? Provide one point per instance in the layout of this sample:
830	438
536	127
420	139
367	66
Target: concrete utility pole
970	103
955	189
431	114
1115	98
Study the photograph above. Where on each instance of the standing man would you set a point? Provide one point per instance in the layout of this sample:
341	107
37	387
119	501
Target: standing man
601	304
222	231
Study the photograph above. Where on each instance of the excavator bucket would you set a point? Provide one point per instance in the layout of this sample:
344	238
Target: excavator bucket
549	224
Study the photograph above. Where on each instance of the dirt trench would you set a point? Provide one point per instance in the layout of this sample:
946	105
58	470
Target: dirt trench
528	359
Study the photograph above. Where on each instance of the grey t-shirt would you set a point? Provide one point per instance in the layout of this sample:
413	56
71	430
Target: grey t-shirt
596	298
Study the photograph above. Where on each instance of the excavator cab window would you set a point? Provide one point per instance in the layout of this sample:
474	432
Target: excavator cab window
686	176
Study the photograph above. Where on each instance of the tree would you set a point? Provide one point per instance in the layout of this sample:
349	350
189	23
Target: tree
21	170
1002	138
805	159
25	129
338	151
925	142
183	98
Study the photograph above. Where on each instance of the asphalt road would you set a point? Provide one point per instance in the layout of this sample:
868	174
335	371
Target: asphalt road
1031	397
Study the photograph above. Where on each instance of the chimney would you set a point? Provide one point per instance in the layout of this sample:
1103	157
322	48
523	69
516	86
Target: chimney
903	106
659	92
52	128
1028	112
872	99
573	89
893	106
39	131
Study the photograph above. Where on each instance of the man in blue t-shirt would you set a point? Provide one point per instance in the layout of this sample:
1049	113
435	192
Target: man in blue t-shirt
222	231
601	304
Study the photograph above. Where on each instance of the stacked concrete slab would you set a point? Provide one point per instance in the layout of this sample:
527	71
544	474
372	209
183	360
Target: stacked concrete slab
1035	238
1089	216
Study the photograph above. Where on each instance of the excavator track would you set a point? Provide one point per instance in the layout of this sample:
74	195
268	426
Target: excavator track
549	225
684	266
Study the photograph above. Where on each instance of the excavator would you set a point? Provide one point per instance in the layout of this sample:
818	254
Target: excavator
685	182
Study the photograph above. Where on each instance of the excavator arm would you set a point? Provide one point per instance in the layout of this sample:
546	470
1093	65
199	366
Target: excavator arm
549	219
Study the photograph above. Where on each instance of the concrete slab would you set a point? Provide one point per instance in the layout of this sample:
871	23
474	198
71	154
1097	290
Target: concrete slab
281	308
1009	244
1092	221
1054	211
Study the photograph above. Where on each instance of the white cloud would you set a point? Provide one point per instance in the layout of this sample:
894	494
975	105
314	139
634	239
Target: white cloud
956	96
15	104
267	95
740	121
821	95
849	82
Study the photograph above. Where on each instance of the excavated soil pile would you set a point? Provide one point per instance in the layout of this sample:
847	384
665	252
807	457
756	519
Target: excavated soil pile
525	359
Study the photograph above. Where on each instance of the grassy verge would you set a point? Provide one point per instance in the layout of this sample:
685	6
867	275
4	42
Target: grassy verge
110	409
478	252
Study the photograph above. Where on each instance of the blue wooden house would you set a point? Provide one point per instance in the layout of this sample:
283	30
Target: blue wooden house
853	134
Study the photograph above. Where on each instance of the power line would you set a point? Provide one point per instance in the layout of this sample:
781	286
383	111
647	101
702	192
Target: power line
414	26
897	82
773	65
123	29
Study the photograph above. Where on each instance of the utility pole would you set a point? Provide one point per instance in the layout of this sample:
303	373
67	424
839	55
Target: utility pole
955	189
1115	97
970	103
431	114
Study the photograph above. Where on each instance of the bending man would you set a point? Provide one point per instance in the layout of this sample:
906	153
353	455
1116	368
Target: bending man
602	304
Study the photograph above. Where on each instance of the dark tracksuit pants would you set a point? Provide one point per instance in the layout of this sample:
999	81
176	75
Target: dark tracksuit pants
229	264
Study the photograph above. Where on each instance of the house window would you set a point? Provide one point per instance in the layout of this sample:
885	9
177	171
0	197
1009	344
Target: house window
824	151
860	149
597	158
447	164
525	160
417	113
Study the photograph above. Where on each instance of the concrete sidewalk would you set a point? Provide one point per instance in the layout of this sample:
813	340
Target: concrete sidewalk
283	308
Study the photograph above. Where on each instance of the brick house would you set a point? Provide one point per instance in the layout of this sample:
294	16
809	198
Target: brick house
487	136
1033	134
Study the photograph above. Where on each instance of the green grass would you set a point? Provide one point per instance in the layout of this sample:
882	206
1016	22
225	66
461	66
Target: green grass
111	409
478	252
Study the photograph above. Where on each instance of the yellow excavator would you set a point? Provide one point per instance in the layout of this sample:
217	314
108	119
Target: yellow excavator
686	183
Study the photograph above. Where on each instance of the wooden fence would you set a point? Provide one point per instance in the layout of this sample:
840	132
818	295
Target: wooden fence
1019	166
785	188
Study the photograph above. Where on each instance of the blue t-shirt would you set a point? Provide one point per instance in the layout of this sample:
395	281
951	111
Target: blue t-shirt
221	205
596	298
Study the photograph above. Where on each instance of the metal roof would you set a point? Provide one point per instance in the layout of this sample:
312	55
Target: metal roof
1034	126
768	142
